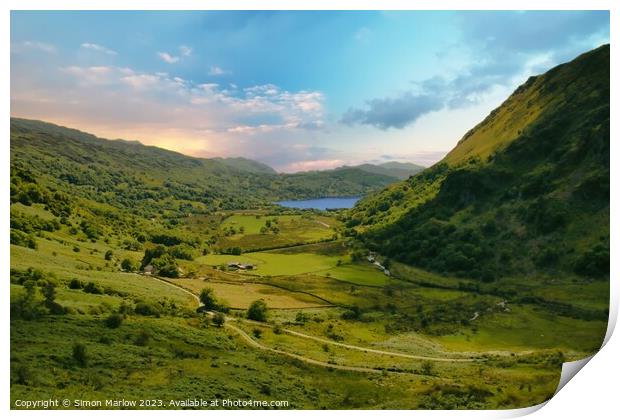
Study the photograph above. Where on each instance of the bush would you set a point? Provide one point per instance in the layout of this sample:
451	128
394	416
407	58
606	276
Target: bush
208	299
257	332
93	288
128	265
594	262
219	319
80	355
258	311
353	313
114	321
142	338
108	255
75	284
21	239
146	309
427	368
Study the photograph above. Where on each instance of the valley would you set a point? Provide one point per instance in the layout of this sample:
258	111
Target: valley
140	273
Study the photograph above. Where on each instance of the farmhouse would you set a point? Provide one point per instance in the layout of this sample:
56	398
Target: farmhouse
240	266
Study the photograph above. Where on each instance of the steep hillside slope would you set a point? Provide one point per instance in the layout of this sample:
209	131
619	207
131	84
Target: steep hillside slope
524	192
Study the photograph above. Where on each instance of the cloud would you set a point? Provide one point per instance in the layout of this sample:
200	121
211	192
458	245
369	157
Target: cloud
185	50
501	50
98	48
41	46
397	112
314	165
170	59
159	107
217	71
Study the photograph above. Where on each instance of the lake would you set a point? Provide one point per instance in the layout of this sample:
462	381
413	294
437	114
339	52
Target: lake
321	203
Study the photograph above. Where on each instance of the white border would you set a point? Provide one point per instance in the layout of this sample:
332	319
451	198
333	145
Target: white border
593	394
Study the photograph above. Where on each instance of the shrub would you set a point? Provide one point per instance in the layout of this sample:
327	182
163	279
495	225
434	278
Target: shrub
143	308
208	299
257	332
594	262
21	239
258	311
92	288
427	367
143	338
75	284
128	265
353	313
108	255
114	321
80	355
219	319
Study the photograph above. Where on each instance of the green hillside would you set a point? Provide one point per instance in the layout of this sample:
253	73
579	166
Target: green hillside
246	165
525	193
128	174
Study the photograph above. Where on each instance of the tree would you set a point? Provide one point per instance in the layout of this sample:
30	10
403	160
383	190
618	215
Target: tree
127	265
208	299
108	255
258	311
49	293
219	319
80	355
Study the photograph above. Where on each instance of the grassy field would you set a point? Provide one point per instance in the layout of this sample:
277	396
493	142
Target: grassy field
360	273
241	294
63	265
272	264
291	230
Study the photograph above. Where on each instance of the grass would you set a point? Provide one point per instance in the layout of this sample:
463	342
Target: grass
526	328
361	274
184	358
293	230
241	295
274	264
64	267
219	259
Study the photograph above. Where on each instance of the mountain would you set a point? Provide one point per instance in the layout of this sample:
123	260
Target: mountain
524	193
246	165
398	170
130	175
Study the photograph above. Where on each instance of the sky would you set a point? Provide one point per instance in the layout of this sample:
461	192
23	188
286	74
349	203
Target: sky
297	90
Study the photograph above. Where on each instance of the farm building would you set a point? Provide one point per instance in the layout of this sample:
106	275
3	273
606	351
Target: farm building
241	266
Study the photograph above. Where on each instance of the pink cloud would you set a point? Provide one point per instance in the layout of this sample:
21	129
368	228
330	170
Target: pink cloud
314	165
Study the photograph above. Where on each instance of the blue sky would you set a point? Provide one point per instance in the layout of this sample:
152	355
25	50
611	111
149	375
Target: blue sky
296	90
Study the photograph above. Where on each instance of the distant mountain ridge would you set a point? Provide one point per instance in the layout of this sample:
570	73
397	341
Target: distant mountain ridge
400	170
121	172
